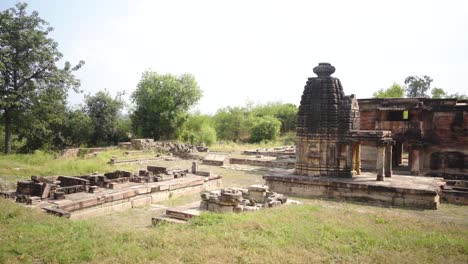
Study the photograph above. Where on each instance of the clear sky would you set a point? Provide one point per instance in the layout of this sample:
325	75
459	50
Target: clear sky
260	51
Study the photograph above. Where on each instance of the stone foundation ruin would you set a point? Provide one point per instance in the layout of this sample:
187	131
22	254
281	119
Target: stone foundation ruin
95	194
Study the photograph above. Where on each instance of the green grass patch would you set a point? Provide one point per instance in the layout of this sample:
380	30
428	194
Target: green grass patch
292	234
22	166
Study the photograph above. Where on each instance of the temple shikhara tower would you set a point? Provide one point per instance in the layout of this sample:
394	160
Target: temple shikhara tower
325	145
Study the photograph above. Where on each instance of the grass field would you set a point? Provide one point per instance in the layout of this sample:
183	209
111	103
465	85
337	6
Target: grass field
317	231
22	166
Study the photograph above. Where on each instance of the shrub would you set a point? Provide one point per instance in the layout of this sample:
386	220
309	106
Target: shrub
265	128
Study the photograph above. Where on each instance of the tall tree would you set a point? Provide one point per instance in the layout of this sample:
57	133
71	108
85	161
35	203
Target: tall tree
438	93
104	112
418	86
28	59
79	129
162	104
394	91
42	125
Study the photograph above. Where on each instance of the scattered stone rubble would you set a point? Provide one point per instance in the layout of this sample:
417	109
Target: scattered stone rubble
176	148
238	200
228	200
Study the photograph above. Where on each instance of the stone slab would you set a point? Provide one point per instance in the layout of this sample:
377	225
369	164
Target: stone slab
214	159
143	201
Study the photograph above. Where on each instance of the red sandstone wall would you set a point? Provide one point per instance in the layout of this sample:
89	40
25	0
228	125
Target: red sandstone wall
447	132
368	119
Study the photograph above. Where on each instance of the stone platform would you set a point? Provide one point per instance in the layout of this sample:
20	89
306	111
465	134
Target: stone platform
401	191
127	195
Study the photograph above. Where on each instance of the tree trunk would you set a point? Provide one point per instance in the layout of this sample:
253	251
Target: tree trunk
7	116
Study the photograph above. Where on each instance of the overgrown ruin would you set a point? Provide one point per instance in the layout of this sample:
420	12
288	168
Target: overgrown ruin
95	194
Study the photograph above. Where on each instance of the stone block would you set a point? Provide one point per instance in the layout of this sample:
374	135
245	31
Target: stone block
143	201
259	197
113	197
129	193
159	196
258	188
142	189
203	205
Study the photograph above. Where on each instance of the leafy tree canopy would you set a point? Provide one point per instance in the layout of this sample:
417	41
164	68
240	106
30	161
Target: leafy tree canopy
286	113
265	128
438	93
28	63
233	123
418	86
199	129
162	103
394	91
41	125
104	113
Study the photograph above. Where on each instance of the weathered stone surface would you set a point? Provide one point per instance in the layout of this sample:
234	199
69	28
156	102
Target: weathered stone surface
406	191
143	201
214	159
431	131
239	199
265	162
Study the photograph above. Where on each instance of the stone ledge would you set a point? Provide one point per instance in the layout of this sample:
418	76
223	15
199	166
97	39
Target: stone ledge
414	192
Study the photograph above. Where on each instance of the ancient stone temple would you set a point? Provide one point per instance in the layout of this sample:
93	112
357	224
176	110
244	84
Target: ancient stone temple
325	120
328	153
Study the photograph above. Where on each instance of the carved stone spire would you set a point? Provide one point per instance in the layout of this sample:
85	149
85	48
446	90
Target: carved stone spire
324	70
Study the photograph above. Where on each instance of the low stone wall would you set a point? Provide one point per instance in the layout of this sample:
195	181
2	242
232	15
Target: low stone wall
456	192
285	164
455	197
274	152
70	152
76	152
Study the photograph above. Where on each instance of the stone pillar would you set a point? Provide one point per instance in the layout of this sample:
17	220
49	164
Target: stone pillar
380	162
414	166
357	158
194	167
388	161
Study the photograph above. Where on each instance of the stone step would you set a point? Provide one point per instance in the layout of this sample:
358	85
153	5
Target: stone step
166	219
181	215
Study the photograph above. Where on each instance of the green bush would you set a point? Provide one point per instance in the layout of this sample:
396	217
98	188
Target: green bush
265	128
199	129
